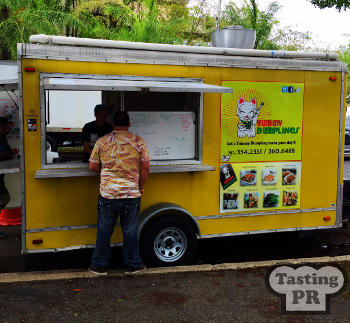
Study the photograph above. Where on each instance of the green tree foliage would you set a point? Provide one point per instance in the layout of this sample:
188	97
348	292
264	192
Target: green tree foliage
250	16
103	17
292	40
143	21
21	18
201	23
156	21
344	53
339	4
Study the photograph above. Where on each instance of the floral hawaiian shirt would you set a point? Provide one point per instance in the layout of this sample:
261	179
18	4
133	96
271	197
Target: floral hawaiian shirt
120	153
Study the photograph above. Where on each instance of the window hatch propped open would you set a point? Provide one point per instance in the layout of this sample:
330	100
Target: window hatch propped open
80	84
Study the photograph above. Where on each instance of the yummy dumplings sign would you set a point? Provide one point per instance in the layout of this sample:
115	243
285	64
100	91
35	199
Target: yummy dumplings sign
261	121
260	157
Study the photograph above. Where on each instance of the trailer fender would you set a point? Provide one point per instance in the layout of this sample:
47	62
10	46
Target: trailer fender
160	209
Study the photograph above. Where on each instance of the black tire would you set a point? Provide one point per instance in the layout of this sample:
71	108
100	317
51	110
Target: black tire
168	241
52	142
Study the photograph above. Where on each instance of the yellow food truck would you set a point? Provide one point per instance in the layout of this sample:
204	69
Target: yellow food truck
242	142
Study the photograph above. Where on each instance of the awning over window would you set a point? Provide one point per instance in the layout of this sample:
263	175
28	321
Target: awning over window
55	83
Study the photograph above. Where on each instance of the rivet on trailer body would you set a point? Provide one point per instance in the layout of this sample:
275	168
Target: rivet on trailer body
326	218
332	78
29	69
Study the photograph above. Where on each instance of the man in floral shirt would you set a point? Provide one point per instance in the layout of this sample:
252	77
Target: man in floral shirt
122	159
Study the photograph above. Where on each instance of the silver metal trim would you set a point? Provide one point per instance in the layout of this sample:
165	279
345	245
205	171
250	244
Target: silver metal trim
221	235
75	166
181	168
42	123
113	55
68	248
66	228
82	172
199	237
156	209
10	166
200	127
122	101
160	208
339	216
176	162
119	77
122	85
22	157
170	162
223	216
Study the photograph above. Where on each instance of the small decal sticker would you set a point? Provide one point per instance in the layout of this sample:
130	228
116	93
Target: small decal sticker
32	125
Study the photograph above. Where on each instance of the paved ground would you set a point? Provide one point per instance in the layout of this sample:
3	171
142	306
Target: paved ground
216	296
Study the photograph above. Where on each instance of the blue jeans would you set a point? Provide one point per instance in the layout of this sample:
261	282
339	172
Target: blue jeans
108	211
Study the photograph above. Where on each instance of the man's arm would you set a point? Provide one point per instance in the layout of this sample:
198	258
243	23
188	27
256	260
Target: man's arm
95	167
95	161
144	171
86	146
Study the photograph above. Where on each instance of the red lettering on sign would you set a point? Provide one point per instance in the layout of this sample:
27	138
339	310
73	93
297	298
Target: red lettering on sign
230	178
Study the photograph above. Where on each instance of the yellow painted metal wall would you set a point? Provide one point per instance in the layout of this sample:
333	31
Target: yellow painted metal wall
72	201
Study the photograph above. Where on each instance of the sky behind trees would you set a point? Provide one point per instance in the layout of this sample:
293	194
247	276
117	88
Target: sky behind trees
329	28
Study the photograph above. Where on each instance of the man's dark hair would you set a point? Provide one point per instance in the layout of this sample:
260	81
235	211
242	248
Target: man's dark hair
121	119
4	121
100	107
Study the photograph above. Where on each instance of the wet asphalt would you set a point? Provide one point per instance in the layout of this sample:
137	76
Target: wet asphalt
218	296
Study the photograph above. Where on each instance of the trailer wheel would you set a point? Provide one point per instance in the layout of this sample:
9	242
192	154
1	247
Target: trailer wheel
51	144
168	241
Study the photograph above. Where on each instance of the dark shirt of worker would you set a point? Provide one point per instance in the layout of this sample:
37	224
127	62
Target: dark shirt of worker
95	129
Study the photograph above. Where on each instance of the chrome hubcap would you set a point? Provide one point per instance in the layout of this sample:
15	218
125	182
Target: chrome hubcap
170	244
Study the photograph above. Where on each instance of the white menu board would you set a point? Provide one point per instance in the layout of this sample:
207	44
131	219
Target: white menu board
168	135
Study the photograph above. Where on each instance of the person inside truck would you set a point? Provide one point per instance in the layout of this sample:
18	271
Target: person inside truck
5	153
95	129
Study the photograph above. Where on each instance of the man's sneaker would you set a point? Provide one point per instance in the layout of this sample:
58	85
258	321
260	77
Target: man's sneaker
98	270
2	235
134	270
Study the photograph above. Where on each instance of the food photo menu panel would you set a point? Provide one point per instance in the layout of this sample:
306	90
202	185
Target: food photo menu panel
259	186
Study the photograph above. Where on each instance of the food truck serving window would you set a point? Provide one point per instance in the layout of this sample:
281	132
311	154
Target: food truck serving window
165	112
